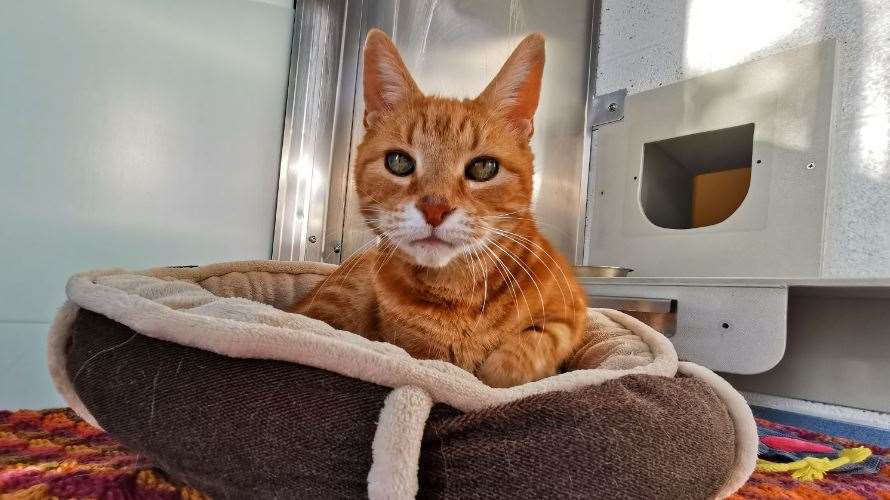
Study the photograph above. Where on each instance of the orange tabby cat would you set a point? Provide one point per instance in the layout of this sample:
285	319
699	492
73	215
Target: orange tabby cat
460	272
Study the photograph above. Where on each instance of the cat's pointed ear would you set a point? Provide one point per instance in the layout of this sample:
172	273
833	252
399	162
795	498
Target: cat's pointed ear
387	82
515	90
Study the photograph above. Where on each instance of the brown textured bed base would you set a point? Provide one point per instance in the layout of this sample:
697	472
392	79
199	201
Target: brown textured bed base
242	428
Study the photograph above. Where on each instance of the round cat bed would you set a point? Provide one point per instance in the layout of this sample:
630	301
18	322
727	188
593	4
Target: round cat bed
201	371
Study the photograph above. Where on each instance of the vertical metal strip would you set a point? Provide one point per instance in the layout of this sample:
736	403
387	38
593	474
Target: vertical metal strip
374	14
342	146
309	136
282	245
588	174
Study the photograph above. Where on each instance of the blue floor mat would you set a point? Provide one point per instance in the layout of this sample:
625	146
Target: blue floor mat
863	433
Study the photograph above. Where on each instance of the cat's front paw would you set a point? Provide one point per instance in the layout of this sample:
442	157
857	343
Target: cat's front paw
503	368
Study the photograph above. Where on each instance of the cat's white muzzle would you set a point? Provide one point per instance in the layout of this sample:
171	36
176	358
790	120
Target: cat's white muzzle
433	246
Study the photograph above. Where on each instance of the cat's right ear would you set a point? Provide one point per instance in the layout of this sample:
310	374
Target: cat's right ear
387	82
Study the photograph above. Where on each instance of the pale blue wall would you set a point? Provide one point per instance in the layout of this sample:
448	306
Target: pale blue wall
133	134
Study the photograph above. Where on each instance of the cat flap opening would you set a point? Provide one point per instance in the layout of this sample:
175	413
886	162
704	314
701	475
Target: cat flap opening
697	180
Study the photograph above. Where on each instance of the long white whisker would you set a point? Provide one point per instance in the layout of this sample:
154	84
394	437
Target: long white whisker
536	221
510	273
485	251
559	267
485	281
518	240
352	261
472	269
504	214
538	338
478	261
386	260
529	274
369	196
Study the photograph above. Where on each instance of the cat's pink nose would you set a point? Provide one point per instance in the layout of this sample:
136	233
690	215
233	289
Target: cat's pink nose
434	209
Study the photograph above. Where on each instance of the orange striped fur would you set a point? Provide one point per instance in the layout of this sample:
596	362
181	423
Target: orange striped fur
459	272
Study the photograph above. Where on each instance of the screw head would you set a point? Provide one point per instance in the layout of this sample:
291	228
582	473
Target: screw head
313	239
337	248
811	166
613	107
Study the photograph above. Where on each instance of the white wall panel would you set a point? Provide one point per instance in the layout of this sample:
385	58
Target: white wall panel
133	134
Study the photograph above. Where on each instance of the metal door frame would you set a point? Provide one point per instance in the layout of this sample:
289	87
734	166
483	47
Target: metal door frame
316	140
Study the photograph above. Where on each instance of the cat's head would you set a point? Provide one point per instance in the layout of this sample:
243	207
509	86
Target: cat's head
439	177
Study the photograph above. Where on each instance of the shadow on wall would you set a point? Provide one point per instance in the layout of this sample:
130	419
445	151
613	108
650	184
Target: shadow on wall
826	359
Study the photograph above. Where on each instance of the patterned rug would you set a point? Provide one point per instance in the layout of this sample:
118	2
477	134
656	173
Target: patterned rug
52	454
842	486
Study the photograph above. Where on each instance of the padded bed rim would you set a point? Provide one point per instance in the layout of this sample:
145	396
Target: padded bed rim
446	383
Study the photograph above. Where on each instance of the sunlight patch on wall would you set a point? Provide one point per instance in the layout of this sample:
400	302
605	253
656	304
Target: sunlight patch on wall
720	34
873	135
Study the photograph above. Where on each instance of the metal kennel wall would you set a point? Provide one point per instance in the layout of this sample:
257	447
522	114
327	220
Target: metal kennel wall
453	47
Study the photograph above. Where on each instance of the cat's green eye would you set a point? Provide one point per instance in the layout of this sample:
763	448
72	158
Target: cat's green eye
399	163
482	169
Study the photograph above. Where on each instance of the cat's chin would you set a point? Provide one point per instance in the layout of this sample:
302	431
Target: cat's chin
433	261
432	255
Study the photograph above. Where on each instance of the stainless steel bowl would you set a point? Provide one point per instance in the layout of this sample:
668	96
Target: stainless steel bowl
601	271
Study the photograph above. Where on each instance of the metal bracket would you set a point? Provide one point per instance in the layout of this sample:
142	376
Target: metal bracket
607	108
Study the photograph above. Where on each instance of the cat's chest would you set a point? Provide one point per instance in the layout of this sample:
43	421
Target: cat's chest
463	336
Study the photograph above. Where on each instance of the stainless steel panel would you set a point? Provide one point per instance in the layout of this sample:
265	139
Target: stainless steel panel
638	304
454	47
601	271
660	314
305	180
344	121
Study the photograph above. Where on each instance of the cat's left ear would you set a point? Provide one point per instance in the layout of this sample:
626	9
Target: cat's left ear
387	82
515	90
